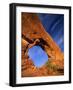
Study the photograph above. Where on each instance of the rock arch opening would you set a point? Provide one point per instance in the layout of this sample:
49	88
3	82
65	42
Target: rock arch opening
38	56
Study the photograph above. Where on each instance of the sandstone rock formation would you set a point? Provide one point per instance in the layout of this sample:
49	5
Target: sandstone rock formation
33	29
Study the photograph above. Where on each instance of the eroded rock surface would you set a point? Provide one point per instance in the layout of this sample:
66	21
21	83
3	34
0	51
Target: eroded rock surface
32	29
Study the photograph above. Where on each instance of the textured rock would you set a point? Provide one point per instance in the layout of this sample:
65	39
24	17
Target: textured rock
33	29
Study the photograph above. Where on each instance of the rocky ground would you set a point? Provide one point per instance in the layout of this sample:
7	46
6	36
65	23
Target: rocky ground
49	69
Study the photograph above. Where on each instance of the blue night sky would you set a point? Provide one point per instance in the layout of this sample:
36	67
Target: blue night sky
54	25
